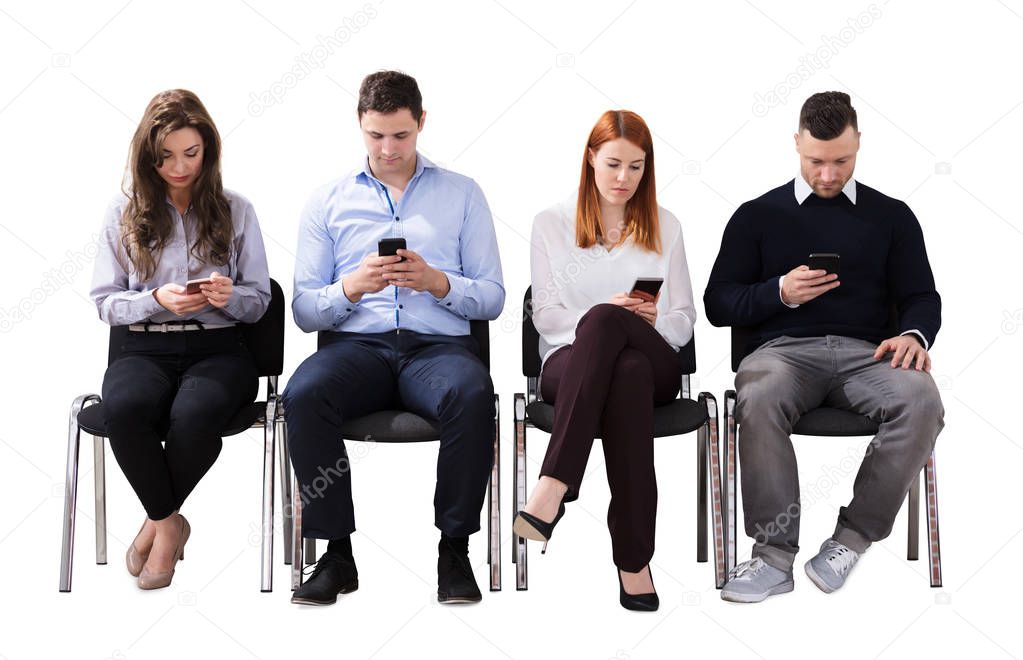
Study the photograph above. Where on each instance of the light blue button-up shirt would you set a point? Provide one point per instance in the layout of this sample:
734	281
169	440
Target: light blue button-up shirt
443	217
123	298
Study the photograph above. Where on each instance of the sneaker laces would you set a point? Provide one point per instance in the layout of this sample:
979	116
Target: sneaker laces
841	558
747	569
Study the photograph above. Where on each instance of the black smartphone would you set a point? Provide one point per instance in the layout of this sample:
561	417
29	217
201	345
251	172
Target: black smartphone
388	247
646	288
824	261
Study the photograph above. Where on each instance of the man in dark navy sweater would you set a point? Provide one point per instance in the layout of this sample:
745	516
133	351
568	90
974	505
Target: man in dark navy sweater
821	338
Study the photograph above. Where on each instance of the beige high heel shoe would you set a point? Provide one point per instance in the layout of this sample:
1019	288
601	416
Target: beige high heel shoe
149	580
134	559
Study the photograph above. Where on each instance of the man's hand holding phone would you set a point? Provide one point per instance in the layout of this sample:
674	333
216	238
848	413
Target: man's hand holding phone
368	277
801	285
414	273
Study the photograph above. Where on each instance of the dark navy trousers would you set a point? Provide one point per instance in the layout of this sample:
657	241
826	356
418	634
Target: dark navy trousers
434	376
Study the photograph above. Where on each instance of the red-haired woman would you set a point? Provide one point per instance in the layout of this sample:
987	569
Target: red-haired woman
609	354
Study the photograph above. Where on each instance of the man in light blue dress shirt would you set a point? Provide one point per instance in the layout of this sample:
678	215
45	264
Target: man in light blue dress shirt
395	333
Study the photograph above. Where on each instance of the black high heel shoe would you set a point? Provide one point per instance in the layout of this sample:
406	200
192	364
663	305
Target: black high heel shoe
638	602
529	526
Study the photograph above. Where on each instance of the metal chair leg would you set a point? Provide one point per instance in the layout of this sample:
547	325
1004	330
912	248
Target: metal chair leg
702	435
296	533
100	492
67	546
729	486
519	546
494	505
913	511
284	464
267	526
713	452
310	552
933	537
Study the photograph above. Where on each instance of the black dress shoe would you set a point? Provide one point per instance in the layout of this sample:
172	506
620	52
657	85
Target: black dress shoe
333	575
455	580
638	602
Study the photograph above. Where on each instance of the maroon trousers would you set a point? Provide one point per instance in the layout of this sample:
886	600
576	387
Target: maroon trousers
606	384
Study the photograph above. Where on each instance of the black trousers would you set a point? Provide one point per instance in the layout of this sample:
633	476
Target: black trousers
434	376
607	383
166	400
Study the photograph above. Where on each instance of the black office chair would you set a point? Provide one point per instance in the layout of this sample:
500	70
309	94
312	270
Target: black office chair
827	422
265	340
401	426
679	417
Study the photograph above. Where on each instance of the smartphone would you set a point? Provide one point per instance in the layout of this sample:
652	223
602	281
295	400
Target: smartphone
192	286
824	261
646	288
388	247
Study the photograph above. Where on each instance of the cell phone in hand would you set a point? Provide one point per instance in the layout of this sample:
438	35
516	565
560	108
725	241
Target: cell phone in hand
192	286
646	288
824	261
388	247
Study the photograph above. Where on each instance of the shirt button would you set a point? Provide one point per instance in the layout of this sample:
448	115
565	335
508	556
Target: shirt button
401	306
449	304
349	308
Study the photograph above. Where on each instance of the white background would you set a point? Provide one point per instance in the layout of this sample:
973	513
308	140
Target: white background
512	91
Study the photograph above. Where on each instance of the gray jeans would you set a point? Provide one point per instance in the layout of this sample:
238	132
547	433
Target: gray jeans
788	376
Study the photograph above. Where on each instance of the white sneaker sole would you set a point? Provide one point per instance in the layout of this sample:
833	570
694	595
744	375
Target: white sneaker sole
782	588
818	580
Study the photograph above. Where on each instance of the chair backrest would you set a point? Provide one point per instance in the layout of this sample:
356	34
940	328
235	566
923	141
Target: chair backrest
265	337
531	358
480	331
743	336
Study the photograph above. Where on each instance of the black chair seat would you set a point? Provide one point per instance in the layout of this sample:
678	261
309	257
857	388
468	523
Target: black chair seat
835	423
391	426
90	419
679	417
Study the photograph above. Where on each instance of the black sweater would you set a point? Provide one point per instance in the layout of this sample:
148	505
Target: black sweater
883	262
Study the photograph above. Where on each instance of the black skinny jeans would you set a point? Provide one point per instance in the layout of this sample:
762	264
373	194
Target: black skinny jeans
166	400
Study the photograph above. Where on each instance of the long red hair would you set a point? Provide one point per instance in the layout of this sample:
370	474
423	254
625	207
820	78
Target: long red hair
641	210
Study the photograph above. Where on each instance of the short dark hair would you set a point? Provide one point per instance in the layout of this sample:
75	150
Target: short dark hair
390	91
827	114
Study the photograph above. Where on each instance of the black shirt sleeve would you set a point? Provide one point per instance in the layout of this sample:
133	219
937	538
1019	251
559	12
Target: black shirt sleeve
911	279
735	296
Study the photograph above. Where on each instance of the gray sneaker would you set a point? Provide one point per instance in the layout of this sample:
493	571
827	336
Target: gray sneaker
754	580
829	569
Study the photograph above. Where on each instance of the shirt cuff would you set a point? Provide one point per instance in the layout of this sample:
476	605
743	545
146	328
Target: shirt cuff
919	334
456	293
781	281
334	302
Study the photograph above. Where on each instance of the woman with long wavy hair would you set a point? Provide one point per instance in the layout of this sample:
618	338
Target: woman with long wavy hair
181	263
609	341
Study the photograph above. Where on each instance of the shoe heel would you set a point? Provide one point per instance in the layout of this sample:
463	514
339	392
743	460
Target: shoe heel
543	550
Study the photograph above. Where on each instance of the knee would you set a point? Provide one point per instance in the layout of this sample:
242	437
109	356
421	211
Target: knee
472	394
305	391
600	317
129	409
915	396
760	385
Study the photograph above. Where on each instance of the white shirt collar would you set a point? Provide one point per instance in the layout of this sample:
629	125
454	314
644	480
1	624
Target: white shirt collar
803	189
